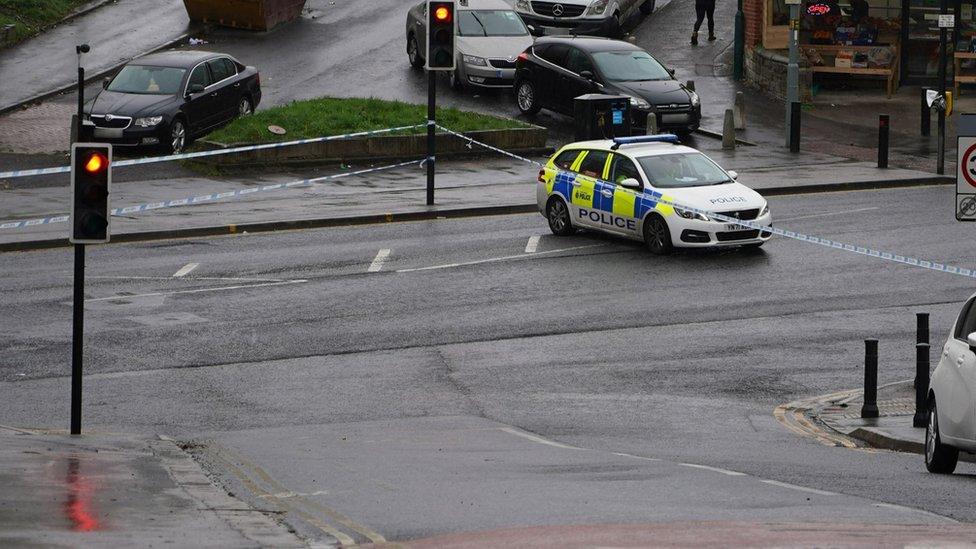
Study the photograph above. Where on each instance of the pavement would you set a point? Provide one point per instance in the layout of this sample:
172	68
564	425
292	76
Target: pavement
111	490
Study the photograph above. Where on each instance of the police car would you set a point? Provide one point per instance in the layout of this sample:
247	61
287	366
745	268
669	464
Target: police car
623	186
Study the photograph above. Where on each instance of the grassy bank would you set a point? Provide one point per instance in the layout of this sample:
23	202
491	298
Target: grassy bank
334	116
30	17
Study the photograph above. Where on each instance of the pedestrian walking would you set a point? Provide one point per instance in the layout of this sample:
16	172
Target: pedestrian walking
704	8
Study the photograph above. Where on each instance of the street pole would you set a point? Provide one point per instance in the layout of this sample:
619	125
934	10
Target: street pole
431	126
78	300
792	70
739	53
943	10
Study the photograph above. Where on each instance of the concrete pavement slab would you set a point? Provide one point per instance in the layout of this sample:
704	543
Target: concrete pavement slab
110	490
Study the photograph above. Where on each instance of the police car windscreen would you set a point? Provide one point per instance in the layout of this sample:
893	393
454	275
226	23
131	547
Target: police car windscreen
629	66
682	170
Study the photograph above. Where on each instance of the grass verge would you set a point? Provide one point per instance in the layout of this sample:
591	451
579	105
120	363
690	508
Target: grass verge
30	17
335	116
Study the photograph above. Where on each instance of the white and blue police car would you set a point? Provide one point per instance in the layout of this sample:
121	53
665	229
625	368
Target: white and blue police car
635	187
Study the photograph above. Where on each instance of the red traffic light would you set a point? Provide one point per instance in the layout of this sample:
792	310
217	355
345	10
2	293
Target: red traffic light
442	14
96	163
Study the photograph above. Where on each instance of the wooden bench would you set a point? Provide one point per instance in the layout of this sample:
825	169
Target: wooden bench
890	74
958	78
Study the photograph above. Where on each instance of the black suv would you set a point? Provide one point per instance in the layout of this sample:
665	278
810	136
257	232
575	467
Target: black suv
554	71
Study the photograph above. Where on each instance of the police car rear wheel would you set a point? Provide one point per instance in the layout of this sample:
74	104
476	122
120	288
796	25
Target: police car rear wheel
558	215
657	236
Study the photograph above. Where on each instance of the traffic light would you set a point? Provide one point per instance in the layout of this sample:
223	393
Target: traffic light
91	179
440	36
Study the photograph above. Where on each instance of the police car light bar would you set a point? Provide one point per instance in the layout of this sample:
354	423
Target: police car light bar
638	139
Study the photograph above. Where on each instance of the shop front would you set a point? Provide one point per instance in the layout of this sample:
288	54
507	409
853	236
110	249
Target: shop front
896	40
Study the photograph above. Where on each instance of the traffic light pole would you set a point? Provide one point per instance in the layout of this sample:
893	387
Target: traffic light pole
78	302
77	339
431	126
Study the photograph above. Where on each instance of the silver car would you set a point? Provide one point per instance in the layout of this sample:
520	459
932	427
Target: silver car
490	36
598	17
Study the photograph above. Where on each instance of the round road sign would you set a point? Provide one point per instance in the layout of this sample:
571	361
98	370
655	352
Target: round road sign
968	164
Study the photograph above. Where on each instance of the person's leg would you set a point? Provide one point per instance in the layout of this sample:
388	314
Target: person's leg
710	11
699	17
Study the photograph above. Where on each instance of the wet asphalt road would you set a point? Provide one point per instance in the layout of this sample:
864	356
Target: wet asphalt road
397	398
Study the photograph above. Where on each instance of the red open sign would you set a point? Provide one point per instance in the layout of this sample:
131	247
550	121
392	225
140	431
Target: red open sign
818	9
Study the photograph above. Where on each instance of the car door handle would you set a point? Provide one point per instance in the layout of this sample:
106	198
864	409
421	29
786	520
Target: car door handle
960	361
237	85
575	183
607	193
214	94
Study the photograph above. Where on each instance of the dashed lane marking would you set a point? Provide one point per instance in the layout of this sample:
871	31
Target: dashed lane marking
498	259
714	469
378	261
535	438
533	243
796	487
196	291
185	270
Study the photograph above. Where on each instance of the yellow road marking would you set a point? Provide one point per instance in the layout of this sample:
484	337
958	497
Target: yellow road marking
373	536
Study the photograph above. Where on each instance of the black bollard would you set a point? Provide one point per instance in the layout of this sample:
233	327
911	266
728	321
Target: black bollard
921	384
870	407
926	115
921	327
795	127
882	140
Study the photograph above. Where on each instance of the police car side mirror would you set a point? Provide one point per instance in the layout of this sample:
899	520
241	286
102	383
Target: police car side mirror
630	183
733	174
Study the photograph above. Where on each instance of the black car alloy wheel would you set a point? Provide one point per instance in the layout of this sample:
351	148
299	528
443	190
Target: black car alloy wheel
177	134
413	52
939	458
244	108
525	96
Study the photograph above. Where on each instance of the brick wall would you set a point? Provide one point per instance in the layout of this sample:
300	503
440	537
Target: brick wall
766	71
753	10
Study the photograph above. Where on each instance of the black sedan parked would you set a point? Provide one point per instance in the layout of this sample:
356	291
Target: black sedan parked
168	99
554	71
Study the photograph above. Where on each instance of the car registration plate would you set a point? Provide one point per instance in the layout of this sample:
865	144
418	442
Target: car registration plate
734	227
498	74
108	132
674	118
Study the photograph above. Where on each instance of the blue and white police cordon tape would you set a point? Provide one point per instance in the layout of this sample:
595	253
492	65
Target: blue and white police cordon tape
888	256
216	152
206	198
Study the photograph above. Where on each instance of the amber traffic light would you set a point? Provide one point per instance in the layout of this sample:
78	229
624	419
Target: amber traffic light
91	176
440	36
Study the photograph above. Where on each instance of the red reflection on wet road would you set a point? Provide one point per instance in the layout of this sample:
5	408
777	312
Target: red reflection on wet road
78	505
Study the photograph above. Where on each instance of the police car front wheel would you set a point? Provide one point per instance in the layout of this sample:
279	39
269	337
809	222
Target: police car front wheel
657	235
558	215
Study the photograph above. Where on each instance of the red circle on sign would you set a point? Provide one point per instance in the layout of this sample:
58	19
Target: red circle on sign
965	159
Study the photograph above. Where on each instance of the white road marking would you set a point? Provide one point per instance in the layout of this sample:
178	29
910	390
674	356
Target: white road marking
811	216
533	243
911	510
800	488
197	291
378	261
497	259
540	440
187	269
714	469
212	278
621	454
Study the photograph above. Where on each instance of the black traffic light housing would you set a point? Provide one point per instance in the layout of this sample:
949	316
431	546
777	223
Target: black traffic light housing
91	180
441	24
